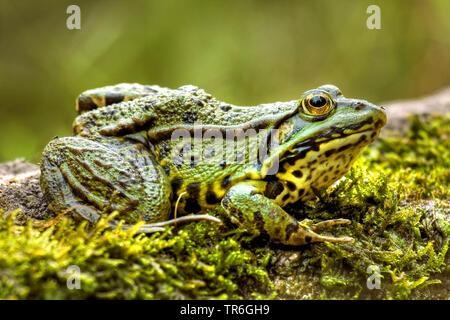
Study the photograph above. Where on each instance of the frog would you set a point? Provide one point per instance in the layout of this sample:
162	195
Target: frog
149	153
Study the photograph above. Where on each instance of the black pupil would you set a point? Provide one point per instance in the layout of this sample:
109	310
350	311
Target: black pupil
317	101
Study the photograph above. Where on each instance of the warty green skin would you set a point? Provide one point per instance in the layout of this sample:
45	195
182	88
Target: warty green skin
124	157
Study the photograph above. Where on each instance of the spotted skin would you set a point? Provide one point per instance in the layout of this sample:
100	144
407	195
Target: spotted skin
140	149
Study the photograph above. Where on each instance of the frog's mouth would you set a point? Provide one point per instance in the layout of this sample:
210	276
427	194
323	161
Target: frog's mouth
334	140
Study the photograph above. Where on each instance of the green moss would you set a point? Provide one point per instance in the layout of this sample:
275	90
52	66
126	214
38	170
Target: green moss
195	262
396	195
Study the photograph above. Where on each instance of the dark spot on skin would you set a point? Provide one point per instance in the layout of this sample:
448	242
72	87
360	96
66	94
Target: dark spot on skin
273	189
166	170
226	201
86	103
210	152
225	182
308	239
325	179
233	211
259	221
222	164
329	152
192	206
176	183
336	172
281	169
189	117
379	124
178	161
297	173
286	196
291	161
193	189
164	149
194	161
277	230
291	228
113	97
345	147
198	102
301	192
211	197
225	107
373	135
236	213
291	186
312	162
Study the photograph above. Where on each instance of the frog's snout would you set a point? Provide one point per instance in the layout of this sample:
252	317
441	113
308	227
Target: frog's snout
377	113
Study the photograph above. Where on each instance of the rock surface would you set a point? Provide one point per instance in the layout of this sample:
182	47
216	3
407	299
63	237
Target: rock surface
398	111
19	189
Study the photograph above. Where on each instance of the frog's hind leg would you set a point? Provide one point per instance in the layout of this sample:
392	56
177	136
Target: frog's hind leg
105	96
97	178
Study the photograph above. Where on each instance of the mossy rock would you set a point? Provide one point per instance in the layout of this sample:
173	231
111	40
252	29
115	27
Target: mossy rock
396	195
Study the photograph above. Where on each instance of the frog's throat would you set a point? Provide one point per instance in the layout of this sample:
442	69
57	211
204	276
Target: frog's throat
328	141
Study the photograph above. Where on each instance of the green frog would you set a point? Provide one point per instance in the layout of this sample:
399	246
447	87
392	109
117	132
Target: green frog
144	150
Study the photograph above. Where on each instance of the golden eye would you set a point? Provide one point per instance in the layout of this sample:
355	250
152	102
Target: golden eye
317	104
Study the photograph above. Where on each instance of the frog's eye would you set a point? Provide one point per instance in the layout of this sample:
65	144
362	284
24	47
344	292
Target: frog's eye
317	105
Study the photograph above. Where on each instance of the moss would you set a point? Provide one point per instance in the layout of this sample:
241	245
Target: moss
194	262
396	195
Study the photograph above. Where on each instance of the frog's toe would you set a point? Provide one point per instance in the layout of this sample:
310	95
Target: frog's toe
328	223
319	238
306	236
299	235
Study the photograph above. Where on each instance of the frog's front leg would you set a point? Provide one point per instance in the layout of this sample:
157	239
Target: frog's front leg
250	209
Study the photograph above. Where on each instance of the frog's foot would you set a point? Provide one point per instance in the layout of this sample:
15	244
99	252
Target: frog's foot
250	209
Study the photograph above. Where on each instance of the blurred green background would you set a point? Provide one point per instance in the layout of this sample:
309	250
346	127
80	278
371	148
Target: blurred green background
243	52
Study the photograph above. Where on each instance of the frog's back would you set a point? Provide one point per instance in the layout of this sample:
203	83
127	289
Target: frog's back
204	145
167	109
